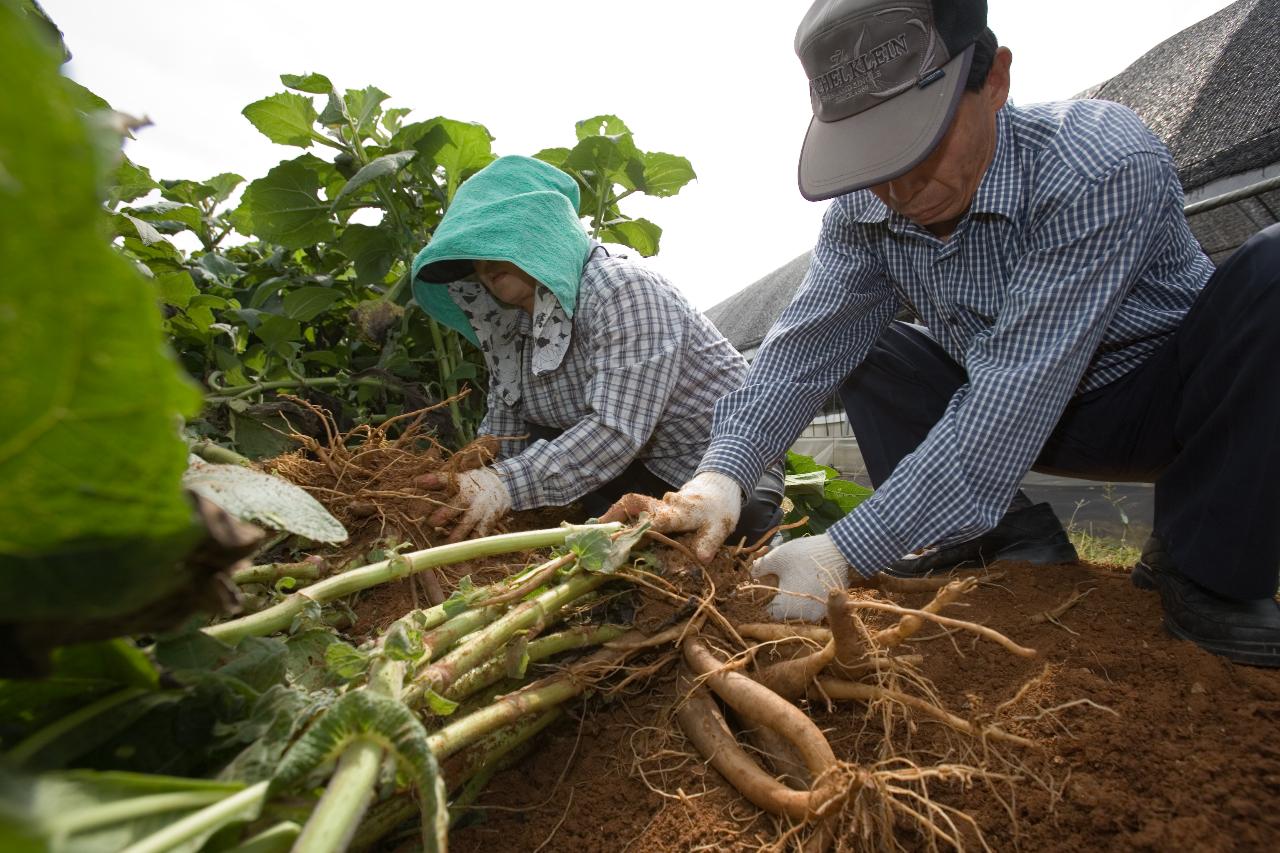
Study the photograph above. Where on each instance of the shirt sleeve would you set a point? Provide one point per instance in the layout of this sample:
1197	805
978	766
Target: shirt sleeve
842	306
637	338
1085	249
507	424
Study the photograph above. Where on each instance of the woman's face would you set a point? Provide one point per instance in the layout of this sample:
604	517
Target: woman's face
507	283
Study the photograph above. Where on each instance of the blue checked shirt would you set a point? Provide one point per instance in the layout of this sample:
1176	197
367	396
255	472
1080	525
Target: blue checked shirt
639	381
1073	264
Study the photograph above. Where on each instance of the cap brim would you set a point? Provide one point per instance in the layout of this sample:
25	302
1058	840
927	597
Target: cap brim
881	143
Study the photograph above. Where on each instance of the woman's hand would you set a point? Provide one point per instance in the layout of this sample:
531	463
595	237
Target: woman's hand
482	499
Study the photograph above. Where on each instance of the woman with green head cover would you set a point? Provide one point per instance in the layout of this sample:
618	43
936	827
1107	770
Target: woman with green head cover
602	377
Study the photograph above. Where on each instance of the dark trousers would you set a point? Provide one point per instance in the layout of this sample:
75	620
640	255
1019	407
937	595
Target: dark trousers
760	513
1199	419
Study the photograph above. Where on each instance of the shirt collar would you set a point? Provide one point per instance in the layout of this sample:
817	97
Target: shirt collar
998	193
1001	186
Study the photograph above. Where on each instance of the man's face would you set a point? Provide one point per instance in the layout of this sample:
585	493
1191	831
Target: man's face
937	192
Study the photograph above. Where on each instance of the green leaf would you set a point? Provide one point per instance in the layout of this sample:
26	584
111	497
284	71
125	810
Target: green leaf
346	661
460	148
284	207
601	125
383	167
402	642
461	599
307	303
640	234
284	118
364	106
168	211
466	370
665	174
439	705
313	83
371	248
220	267
147	232
176	289
391	119
130	181
591	547
554	156
90	461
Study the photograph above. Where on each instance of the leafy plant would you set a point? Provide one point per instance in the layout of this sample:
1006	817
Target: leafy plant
319	299
816	491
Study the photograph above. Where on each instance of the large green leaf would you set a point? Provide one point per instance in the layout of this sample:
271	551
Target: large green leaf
285	118
460	148
383	167
307	303
315	84
371	248
601	125
364	106
665	174
130	181
285	206
90	460
640	234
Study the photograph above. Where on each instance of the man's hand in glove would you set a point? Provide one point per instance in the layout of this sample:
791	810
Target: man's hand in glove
806	570
709	504
482	499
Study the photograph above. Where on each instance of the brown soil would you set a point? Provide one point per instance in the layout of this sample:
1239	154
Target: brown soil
1186	758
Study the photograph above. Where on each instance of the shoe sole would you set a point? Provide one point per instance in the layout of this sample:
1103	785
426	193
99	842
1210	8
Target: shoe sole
1250	654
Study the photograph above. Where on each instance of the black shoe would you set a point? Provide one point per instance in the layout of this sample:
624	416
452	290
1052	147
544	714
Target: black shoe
1241	631
1033	535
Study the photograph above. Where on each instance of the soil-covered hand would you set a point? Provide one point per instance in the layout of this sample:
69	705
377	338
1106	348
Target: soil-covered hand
482	498
806	570
709	504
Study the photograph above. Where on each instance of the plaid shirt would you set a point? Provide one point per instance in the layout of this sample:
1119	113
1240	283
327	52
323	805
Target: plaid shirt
1073	264
640	379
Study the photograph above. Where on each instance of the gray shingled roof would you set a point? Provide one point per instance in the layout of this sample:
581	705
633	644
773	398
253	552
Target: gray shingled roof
745	317
1211	93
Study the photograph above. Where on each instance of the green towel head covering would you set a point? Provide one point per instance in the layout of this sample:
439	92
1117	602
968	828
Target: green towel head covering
516	209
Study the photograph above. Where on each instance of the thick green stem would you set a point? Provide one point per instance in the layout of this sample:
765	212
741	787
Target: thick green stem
461	733
446	370
485	753
542	648
347	796
443	638
132	808
280	616
242	805
269	573
542	608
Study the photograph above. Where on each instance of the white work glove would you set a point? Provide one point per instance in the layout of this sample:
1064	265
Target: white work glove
806	569
482	499
709	504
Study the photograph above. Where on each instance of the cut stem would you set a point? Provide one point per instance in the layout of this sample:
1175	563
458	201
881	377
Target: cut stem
280	616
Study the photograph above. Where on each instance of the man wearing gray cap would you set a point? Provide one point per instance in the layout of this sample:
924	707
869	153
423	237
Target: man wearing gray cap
1070	323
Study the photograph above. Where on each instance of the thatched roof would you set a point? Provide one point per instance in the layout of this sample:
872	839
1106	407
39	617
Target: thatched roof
745	317
1211	93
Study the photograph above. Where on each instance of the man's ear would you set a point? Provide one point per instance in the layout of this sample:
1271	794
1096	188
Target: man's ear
996	89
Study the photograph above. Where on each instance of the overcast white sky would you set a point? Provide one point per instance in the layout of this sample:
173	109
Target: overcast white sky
714	81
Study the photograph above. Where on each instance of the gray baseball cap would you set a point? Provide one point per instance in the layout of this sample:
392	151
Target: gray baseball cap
885	77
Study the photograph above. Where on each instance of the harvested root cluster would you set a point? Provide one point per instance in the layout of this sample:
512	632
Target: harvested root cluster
370	478
747	712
